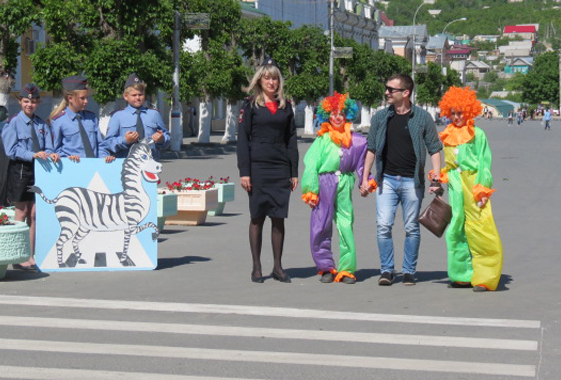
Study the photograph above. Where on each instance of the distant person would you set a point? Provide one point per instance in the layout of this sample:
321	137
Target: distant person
475	252
267	155
518	117
485	112
547	119
75	130
136	122
490	114
510	118
26	138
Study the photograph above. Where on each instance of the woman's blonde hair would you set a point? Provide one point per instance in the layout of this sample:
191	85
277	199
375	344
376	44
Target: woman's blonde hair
63	104
255	86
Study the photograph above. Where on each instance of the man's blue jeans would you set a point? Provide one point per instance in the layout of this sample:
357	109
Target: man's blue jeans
395	190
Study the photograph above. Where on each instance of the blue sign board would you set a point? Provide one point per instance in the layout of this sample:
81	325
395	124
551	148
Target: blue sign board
97	216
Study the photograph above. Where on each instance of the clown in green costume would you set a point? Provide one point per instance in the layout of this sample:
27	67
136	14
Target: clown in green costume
327	185
475	253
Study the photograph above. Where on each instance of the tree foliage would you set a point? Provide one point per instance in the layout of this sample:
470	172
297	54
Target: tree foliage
368	72
16	17
215	69
106	40
308	64
483	16
542	82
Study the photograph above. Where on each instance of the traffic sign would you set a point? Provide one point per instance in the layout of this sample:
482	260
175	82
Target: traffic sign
342	52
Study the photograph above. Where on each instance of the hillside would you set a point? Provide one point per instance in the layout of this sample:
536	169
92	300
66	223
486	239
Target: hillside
483	16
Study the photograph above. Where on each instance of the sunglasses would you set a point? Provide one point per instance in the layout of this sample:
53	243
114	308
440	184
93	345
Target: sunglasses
391	90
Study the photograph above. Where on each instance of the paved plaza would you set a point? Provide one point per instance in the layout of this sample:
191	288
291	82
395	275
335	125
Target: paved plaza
198	316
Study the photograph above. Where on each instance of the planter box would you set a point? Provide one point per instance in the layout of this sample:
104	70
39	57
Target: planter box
10	211
14	245
226	192
192	207
167	206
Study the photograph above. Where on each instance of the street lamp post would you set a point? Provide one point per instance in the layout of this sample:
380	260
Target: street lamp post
414	46
331	5
444	30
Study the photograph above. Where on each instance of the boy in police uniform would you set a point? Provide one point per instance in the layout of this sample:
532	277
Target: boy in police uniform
26	138
75	130
135	122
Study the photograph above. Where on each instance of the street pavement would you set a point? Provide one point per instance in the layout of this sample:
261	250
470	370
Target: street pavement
198	316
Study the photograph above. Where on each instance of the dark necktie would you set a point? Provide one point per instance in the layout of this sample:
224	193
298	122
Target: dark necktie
34	138
85	140
139	125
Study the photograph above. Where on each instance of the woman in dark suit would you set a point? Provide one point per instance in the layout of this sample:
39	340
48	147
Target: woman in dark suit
268	162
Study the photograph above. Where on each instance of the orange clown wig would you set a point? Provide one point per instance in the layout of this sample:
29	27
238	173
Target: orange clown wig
462	99
337	102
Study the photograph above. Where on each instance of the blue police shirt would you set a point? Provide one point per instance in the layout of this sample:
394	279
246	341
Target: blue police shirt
17	139
124	121
67	138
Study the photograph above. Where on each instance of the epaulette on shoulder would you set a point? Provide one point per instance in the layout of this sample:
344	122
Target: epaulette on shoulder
58	115
247	101
114	112
12	118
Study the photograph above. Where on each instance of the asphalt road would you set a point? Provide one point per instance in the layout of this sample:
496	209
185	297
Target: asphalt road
198	316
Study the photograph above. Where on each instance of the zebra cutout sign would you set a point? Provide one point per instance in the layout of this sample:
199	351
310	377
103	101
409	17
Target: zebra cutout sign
94	216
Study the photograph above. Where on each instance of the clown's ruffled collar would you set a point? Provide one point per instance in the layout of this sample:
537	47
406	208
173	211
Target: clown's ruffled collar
454	136
338	137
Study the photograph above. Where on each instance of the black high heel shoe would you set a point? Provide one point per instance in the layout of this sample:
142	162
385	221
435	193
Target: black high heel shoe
257	280
285	278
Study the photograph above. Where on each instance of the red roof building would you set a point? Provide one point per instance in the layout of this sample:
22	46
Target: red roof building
527	32
385	20
520	29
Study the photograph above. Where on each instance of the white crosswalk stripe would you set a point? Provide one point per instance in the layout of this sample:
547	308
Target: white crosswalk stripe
415	340
263	311
299	355
73	374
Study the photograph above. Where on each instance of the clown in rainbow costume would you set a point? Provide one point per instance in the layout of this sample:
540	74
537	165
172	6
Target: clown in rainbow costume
327	186
475	253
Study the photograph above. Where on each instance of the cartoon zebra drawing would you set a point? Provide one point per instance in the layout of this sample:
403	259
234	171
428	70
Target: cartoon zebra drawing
80	211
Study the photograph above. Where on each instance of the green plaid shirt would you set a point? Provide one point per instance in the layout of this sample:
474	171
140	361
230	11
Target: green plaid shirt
423	135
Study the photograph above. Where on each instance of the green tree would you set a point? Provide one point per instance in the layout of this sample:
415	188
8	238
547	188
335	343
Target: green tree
262	38
430	85
308	63
106	40
216	65
368	72
364	83
16	17
470	77
542	82
516	82
452	78
490	76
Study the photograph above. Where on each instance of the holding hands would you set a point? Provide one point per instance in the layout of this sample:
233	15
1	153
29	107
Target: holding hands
367	186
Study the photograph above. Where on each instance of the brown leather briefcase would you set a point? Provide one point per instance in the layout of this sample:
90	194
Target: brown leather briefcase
436	216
